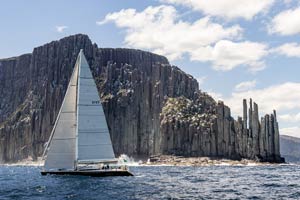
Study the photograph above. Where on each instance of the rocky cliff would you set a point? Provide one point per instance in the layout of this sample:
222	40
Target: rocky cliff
202	127
151	107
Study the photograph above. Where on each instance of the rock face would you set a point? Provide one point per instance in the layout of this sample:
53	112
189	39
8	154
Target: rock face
290	148
200	127
151	107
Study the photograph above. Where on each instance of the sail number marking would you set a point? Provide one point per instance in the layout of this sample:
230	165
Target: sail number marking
96	102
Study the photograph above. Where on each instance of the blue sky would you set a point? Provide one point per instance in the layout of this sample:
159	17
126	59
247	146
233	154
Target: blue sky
236	49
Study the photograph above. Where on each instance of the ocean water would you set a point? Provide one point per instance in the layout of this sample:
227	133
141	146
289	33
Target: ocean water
157	182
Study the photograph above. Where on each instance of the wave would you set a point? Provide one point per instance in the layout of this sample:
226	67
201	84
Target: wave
129	161
26	162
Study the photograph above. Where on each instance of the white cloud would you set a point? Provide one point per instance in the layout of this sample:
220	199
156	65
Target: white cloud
228	9
291	131
217	96
159	29
244	86
287	2
292	118
61	29
284	98
288	49
201	80
227	55
286	23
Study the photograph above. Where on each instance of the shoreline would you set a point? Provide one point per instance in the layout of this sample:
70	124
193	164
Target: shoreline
21	163
26	162
167	160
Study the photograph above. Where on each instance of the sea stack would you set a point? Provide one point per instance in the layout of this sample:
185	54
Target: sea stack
263	137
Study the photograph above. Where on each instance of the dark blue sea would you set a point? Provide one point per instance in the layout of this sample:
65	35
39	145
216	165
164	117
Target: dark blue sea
152	182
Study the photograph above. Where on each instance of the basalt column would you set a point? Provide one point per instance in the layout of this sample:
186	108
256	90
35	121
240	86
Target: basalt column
255	131
276	137
250	138
271	136
262	139
245	129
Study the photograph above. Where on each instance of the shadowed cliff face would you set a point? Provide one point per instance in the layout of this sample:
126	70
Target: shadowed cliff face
290	148
140	93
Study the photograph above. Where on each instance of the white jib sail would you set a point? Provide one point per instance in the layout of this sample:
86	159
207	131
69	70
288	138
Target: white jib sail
62	143
93	139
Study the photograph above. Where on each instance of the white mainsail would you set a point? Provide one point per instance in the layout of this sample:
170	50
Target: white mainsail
80	133
93	143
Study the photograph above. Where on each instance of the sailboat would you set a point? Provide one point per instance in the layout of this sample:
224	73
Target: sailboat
80	142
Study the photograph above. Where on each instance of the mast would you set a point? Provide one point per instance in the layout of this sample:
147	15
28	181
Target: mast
77	91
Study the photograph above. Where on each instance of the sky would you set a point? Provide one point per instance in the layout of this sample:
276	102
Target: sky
235	49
